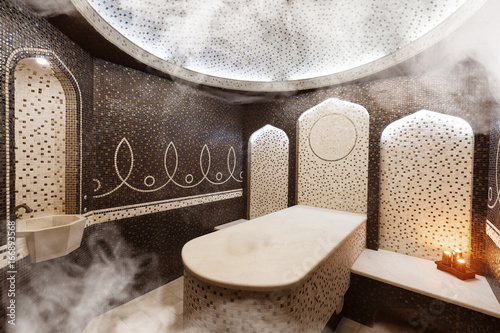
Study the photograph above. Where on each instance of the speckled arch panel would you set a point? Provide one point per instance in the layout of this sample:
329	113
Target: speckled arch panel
268	150
332	156
426	185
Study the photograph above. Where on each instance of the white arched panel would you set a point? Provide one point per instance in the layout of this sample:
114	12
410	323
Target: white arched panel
268	171
332	156
426	185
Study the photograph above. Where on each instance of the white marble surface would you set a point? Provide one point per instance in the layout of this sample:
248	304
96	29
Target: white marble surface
275	251
422	276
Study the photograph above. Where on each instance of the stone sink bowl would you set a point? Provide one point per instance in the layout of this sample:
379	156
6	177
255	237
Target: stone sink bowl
51	236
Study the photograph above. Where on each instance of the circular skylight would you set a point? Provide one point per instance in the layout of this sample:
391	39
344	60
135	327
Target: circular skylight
274	45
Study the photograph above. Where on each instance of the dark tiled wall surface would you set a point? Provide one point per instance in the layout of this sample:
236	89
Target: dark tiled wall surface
492	248
463	93
23	35
178	142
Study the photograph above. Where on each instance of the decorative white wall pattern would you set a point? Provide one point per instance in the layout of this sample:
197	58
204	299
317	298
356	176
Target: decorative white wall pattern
150	181
493	200
493	233
426	185
332	156
268	150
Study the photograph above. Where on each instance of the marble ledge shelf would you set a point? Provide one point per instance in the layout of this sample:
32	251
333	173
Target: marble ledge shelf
229	224
422	276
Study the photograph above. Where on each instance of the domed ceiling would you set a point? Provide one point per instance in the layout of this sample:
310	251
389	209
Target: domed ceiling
278	45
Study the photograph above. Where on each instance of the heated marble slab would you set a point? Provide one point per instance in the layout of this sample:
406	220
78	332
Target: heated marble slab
271	252
422	276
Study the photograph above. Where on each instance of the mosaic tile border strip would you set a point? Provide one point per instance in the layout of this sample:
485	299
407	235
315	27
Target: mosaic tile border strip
493	233
399	55
495	198
118	213
34	52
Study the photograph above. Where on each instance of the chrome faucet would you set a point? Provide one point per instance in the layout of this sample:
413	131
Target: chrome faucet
26	208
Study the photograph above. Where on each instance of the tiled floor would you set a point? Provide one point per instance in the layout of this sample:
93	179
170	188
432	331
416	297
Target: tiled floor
157	311
161	311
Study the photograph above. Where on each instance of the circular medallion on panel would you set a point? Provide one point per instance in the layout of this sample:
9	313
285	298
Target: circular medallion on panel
333	137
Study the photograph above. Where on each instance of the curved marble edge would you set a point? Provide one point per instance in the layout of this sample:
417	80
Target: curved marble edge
398	56
198	254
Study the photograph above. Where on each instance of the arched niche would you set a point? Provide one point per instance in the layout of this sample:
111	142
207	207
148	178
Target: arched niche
43	131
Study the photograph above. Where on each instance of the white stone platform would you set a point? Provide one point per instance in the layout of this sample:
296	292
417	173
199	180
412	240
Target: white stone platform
422	276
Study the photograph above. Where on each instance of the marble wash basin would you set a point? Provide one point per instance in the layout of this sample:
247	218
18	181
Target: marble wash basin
51	236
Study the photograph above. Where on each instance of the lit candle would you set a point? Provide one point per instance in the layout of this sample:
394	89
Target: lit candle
457	254
460	265
446	258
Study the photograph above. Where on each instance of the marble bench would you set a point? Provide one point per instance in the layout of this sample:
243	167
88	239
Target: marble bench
414	290
284	272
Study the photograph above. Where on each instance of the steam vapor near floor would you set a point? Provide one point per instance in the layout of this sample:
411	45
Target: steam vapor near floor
64	294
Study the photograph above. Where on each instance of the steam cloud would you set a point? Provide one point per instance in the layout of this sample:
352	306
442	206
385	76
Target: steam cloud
63	295
270	41
49	8
469	57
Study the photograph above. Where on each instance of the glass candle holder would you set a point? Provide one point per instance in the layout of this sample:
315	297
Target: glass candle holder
460	265
457	254
447	258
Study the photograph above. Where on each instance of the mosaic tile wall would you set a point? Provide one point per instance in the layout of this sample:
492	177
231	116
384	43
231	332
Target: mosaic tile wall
367	297
463	93
305	307
493	223
332	157
426	185
267	171
23	35
156	140
40	139
179	153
